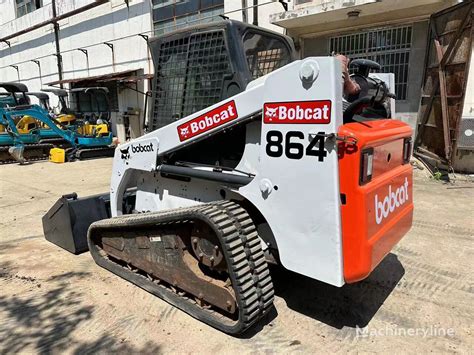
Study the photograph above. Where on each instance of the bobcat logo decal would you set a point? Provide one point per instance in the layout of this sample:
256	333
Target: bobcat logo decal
125	153
184	131
297	112
271	112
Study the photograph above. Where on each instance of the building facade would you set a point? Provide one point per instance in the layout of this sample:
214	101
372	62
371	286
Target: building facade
76	44
170	15
84	43
392	32
261	10
104	42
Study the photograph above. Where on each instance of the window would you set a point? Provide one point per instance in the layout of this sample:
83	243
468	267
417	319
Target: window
191	73
90	103
94	101
390	47
170	15
24	7
264	53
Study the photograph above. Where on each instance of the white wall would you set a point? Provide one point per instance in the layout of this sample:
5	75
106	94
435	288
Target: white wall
107	22
10	24
103	24
26	47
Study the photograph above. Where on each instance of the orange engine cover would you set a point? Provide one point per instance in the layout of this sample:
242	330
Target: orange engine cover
377	214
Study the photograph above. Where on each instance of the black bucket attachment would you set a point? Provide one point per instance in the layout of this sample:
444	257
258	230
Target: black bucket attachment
67	222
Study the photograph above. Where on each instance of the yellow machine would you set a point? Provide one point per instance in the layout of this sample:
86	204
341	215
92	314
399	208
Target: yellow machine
67	119
98	130
26	124
64	118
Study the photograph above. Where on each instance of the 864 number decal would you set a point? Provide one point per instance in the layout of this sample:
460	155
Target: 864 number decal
292	145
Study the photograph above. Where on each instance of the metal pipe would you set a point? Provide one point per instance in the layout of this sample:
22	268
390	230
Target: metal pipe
205	174
255	13
55	19
244	11
56	41
87	58
111	46
145	107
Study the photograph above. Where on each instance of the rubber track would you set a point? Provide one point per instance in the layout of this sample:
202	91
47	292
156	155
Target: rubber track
11	160
91	153
54	141
234	228
254	252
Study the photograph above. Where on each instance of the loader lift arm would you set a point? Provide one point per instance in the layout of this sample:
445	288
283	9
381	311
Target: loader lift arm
239	109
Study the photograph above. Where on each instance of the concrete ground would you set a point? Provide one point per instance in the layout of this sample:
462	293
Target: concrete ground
419	299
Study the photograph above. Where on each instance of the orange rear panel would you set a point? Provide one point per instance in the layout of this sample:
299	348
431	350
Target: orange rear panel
375	215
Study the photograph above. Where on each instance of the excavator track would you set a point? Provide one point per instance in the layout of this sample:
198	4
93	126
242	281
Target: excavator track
91	153
58	142
205	260
32	152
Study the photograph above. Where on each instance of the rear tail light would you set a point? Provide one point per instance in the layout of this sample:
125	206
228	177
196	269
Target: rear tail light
366	164
406	150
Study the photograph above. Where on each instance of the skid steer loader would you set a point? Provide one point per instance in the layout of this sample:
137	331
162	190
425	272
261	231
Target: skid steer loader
250	159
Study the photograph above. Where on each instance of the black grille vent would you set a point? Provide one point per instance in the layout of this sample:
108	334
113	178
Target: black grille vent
190	73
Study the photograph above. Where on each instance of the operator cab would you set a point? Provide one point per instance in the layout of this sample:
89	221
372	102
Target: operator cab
43	99
16	94
199	66
91	104
62	96
202	65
